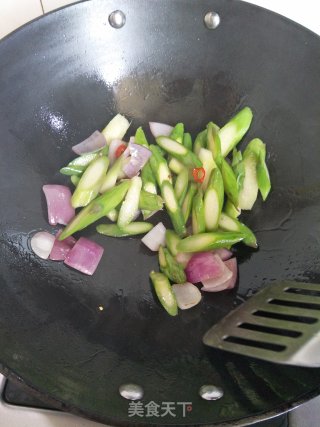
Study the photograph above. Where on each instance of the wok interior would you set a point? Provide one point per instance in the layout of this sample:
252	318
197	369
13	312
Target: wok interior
58	88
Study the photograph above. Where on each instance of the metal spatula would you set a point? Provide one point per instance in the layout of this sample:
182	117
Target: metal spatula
281	323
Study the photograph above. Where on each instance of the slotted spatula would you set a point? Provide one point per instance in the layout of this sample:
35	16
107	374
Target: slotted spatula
281	324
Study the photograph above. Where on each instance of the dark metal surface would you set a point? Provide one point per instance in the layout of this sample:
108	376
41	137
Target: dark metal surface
64	76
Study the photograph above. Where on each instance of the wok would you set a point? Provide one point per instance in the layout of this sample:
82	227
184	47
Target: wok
67	74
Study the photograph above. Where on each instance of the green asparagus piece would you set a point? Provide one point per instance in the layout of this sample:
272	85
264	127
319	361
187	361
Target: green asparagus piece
249	191
97	209
213	142
149	201
116	128
207	241
164	292
238	167
172	240
234	130
113	215
132	229
79	164
130	204
75	179
200	141
140	137
90	182
185	156
173	207
112	175
231	224
213	200
229	182
159	165
187	141
187	203
170	267
259	148
198	218
177	133
181	185
175	166
231	210
148	183
208	164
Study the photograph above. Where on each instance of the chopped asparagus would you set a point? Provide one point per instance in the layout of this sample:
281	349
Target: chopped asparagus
187	203
208	164
140	138
259	148
75	179
116	128
213	142
130	204
234	130
177	133
231	224
164	292
213	200
231	210
200	141
249	192
173	208
113	215
79	164
181	185
150	201
187	141
112	175
172	240
175	166
229	182
132	229
207	241
198	216
170	267
185	156
159	165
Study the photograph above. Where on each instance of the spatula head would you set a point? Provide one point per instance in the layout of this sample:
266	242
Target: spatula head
281	324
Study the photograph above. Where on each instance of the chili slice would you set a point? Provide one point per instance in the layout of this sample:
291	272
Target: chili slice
120	150
199	174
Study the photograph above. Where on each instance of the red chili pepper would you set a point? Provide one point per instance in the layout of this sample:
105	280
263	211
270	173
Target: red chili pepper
120	150
199	174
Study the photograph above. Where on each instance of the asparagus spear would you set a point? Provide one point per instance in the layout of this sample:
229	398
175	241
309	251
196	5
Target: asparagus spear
149	201
75	179
113	173
249	191
185	156
187	141
164	292
173	207
213	142
159	165
229	182
132	229
238	168
200	141
175	166
98	208
234	130
208	164
170	267
231	224
187	203
172	240
116	128
231	210
89	185
213	200
198	217
259	148
181	185
140	137
79	164
177	133
130	204
207	241
113	215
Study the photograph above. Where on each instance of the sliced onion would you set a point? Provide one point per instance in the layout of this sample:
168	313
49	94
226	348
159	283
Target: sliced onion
223	253
93	143
139	155
183	258
155	238
114	145
132	139
228	281
61	247
203	266
42	243
84	256
160	129
187	295
59	206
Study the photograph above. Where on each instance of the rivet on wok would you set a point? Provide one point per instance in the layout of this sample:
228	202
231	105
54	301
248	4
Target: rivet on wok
211	20
117	19
210	392
131	391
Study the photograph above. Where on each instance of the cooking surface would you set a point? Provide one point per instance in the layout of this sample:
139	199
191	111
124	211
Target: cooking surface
54	124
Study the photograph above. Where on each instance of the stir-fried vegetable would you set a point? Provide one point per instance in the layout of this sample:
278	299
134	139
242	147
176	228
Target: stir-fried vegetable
185	178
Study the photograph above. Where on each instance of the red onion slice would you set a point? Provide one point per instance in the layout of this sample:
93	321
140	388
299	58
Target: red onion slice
187	295
203	266
93	143
61	248
84	256
59	206
160	129
139	155
42	243
155	238
227	281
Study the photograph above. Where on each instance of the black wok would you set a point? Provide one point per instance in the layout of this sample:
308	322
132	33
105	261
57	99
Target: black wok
67	74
